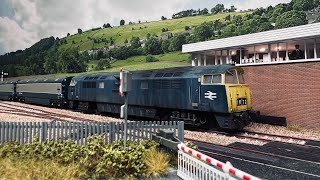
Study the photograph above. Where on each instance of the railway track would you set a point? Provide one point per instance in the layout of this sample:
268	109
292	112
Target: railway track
283	167
41	113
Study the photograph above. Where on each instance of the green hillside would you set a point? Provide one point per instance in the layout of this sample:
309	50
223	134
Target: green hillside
120	33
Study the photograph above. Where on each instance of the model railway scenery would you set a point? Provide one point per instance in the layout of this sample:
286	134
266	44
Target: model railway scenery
229	92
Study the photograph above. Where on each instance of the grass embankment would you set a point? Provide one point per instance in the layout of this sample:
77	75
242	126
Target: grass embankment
120	33
96	160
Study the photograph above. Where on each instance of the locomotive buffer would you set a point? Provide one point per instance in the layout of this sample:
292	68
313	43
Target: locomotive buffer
124	88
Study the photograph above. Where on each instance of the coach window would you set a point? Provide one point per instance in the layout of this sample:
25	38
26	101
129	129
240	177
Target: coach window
101	85
144	84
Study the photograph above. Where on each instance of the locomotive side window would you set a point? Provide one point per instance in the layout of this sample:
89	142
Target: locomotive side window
144	84
240	77
101	85
211	79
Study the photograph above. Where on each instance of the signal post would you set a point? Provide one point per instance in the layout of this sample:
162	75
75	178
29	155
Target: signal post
125	87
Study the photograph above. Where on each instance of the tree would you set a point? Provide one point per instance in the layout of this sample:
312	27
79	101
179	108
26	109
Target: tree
79	31
135	42
228	18
122	22
153	46
176	42
163	18
230	30
203	31
232	9
150	58
204	11
68	34
126	41
217	9
102	65
69	62
304	5
165	45
186	28
291	18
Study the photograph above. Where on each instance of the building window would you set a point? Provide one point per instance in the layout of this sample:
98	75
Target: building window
144	84
101	85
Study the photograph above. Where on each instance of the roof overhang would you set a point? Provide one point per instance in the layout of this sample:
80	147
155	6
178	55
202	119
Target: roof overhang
297	32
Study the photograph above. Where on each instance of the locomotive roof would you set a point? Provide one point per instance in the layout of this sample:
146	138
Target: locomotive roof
176	71
57	80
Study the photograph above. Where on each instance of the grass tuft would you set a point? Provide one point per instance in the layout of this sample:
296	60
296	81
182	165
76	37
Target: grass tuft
294	127
15	169
157	163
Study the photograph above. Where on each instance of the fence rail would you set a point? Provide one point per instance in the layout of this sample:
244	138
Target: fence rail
24	132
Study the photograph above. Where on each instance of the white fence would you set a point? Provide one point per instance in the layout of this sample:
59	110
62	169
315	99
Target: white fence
24	132
193	165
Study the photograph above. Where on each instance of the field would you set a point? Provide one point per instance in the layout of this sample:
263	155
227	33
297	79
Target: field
120	33
168	60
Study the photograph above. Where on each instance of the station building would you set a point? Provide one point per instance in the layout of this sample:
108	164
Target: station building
282	68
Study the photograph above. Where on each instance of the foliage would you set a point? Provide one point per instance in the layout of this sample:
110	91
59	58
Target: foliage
157	163
165	45
122	22
153	46
79	31
135	42
177	42
304	5
217	9
163	18
69	62
95	160
32	169
102	65
204	31
291	18
151	58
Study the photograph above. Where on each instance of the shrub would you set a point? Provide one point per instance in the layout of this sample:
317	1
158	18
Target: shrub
157	163
150	58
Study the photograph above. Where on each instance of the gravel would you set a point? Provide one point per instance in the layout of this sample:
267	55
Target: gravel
279	130
218	138
55	113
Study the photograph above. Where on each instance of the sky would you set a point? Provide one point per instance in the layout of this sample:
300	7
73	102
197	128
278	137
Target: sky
25	22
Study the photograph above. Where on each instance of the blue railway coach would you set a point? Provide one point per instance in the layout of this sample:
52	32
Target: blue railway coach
7	91
47	92
208	96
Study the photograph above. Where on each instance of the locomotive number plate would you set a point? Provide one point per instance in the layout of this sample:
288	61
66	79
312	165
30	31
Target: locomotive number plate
241	101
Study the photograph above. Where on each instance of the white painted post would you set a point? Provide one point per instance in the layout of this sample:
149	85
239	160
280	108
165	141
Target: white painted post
228	59
254	54
269	52
221	57
240	56
315	48
205	60
278	56
199	59
305	50
287	51
192	62
215	58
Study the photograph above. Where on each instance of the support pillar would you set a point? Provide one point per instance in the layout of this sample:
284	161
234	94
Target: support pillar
287	52
269	52
215	58
254	54
315	48
205	60
305	50
199	59
221	57
278	56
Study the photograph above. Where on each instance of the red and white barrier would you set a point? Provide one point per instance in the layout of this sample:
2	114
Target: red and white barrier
227	168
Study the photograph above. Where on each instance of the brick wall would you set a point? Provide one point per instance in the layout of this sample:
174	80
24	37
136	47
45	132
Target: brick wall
287	90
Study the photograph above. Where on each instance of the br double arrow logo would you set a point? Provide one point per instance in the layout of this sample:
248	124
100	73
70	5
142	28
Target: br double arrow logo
210	95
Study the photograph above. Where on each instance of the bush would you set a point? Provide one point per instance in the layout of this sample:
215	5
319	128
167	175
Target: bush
150	58
95	160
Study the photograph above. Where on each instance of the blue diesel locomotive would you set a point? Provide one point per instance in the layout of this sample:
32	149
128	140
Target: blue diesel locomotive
207	96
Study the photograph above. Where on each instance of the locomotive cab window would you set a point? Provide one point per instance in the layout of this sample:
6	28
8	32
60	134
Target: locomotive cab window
211	79
234	77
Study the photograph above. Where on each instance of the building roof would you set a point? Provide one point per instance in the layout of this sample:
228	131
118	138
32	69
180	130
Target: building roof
297	32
